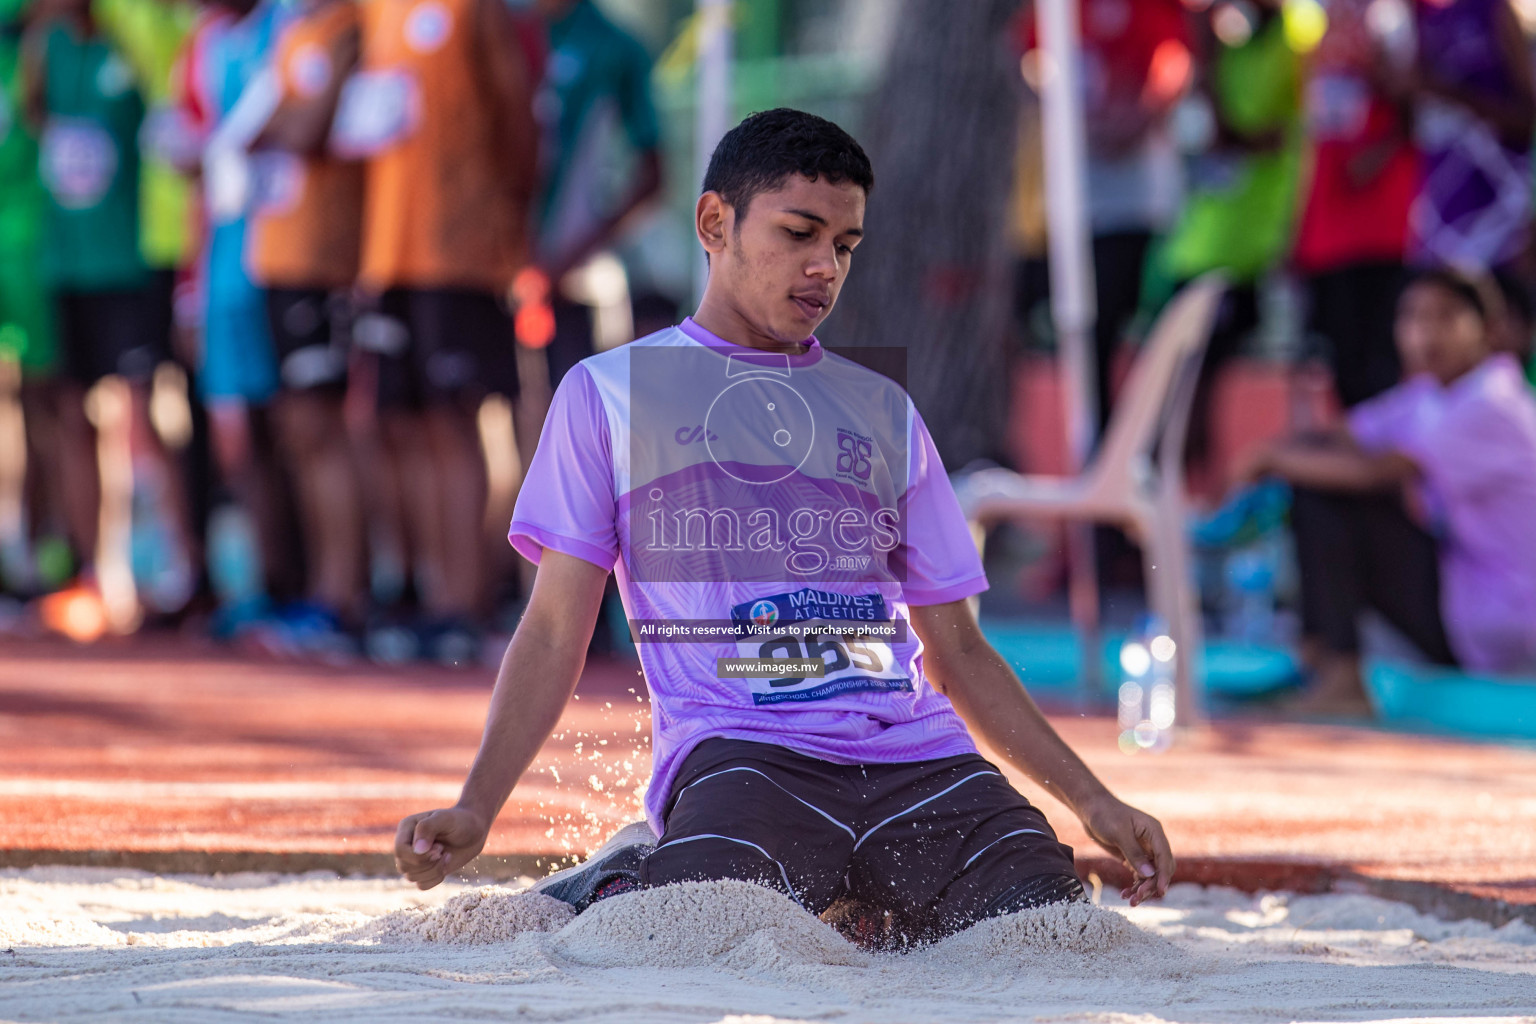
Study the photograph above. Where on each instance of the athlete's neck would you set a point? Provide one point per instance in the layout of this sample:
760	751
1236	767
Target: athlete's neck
728	324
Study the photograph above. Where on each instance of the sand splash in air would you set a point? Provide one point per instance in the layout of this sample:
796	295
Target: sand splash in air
78	944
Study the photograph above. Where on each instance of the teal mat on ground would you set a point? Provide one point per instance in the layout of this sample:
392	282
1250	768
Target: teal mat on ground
1047	658
1445	700
1419	697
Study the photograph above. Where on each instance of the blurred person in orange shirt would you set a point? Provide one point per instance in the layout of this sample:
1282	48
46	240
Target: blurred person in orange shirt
304	252
441	108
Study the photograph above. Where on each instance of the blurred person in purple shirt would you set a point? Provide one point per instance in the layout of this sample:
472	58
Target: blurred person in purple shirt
1420	506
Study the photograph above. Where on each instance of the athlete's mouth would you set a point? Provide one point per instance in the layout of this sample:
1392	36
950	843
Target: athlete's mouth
812	306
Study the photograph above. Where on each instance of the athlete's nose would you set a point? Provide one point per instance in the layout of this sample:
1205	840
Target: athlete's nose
823	264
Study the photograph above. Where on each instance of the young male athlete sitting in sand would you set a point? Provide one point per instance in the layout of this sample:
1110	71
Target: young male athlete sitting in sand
760	498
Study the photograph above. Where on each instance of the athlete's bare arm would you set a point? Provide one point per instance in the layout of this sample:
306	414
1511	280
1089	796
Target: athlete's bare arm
1333	463
302	124
511	94
998	710
538	675
645	184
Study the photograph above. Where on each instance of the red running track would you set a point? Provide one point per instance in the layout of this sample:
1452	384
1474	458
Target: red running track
174	756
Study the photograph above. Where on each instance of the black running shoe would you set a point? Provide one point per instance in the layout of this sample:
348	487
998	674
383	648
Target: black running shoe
613	869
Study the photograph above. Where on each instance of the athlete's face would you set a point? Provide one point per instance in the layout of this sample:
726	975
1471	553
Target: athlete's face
782	263
1438	332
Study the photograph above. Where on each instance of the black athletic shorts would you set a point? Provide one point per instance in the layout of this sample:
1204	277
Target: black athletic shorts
439	346
310	328
936	845
124	331
572	341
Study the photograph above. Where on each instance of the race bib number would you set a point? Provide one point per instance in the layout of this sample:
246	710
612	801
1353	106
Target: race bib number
376	111
280	183
1217	171
169	135
1441	125
78	162
849	633
228	183
1338	106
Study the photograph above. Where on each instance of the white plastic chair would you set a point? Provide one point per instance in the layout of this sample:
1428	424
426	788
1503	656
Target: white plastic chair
1135	479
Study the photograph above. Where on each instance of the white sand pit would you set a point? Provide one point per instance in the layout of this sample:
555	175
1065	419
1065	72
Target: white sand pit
82	944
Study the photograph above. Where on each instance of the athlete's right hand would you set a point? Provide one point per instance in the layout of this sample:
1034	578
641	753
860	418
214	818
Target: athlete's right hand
431	846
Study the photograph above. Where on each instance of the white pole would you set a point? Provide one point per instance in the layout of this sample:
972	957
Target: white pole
713	97
1072	284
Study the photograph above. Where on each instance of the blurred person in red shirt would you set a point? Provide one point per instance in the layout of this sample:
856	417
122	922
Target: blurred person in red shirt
1363	174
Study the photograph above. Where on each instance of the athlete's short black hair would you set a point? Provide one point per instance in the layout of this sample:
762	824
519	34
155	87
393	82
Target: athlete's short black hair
1477	292
758	154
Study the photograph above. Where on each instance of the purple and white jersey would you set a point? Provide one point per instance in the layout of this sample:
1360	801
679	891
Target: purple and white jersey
763	506
1474	441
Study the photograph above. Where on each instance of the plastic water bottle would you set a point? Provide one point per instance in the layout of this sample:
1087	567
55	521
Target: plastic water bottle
1147	708
1251	576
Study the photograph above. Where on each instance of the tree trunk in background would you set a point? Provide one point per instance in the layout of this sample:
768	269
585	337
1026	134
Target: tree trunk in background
934	275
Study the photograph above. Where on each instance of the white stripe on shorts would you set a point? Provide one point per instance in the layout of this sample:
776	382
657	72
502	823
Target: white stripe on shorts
731	839
1010	835
909	810
754	771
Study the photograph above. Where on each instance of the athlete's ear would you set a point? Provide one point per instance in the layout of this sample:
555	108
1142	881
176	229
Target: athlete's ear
710	221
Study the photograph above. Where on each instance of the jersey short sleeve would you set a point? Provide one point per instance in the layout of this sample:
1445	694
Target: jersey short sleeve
937	560
1477	450
1383	423
567	501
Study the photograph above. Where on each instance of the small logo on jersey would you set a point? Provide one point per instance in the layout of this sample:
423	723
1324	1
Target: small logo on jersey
114	77
854	453
809	603
78	161
694	435
427	26
311	70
